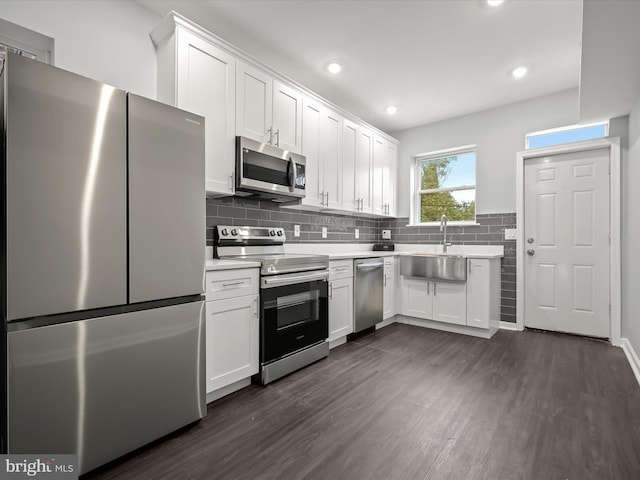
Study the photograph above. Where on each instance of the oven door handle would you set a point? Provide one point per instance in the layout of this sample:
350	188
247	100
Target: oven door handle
280	280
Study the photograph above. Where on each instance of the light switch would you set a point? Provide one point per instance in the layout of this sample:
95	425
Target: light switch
357	233
324	232
510	233
296	230
386	234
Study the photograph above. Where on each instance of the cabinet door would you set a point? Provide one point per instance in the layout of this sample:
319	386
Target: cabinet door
377	175
311	146
206	86
417	298
389	178
364	157
287	117
330	157
349	149
478	293
340	308
254	103
389	290
450	302
232	340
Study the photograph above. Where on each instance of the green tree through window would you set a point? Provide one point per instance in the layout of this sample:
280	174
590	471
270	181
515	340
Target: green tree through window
447	186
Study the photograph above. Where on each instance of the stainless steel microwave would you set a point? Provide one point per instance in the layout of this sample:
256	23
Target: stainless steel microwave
266	171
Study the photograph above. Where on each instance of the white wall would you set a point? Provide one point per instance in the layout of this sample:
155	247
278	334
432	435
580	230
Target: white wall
105	40
498	133
630	226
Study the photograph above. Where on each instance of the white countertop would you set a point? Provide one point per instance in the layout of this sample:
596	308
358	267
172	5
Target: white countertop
216	264
338	251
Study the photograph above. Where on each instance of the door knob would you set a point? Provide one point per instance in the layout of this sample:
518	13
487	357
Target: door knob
531	252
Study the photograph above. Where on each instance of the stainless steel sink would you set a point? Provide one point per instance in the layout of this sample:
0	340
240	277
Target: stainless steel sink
448	268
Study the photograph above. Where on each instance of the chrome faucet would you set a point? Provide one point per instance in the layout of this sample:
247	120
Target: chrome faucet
443	228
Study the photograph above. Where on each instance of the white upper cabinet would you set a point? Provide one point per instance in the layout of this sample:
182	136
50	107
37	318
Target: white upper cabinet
254	103
287	117
195	75
331	157
267	110
378	164
364	160
321	145
349	154
389	178
311	141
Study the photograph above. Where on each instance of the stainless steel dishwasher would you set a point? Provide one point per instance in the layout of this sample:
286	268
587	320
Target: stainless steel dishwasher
369	292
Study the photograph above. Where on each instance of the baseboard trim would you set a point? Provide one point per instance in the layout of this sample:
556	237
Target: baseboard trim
386	323
632	357
508	326
446	327
337	342
229	389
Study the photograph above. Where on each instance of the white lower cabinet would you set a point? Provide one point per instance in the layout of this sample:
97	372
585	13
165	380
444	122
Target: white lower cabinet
483	293
340	299
232	329
440	301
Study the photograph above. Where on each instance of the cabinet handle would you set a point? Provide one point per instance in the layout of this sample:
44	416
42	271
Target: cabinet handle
230	284
428	288
327	202
231	182
255	307
469	267
322	198
270	133
435	289
330	291
385	280
277	134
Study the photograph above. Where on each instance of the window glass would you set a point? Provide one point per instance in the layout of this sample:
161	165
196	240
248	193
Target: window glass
566	135
446	186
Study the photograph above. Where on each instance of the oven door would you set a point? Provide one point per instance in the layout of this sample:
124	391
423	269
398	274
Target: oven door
293	316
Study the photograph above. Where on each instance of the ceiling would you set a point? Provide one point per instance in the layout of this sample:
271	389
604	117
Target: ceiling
433	59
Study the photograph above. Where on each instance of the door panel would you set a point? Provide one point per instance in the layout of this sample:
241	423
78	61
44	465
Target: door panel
311	150
66	191
166	201
349	155
567	219
331	135
287	117
254	103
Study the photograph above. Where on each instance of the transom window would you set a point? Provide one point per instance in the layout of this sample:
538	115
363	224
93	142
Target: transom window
572	133
445	184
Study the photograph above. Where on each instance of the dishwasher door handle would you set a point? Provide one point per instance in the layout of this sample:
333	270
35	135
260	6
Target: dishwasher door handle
368	266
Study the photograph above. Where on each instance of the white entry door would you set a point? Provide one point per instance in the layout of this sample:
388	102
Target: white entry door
566	237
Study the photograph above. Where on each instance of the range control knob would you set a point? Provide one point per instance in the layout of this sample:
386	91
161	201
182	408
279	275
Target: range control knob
224	231
234	232
272	233
279	233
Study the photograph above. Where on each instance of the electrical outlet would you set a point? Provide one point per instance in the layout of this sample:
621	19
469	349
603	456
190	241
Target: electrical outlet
324	232
296	230
357	233
386	234
510	233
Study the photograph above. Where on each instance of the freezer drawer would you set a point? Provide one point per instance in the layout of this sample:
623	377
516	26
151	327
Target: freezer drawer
166	201
106	386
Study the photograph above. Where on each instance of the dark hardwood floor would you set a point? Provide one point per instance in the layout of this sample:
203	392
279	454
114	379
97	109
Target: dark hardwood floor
413	403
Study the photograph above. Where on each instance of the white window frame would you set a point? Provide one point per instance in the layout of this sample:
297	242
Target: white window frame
565	129
415	184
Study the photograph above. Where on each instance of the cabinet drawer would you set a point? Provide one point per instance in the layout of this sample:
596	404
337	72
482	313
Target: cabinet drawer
340	269
232	283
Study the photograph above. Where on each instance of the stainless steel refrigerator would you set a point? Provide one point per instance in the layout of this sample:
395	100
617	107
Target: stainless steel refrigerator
102	253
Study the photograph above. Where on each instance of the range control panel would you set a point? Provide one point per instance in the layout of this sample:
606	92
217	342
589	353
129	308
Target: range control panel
227	234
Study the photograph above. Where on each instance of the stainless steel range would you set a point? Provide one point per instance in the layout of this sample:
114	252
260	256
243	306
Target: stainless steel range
294	315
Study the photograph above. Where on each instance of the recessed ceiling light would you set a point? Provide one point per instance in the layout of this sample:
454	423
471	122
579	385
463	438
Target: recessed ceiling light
334	68
391	109
494	3
519	72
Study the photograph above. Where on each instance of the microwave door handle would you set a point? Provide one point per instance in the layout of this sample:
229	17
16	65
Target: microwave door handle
292	173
